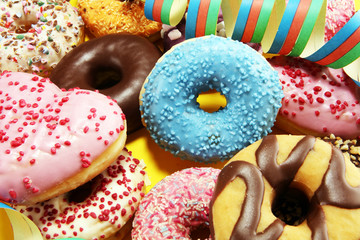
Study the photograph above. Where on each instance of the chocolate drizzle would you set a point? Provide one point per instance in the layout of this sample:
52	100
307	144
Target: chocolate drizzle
278	175
245	227
334	189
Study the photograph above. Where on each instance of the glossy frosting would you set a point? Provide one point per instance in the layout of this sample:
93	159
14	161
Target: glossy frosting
176	205
116	195
173	117
35	35
334	189
127	59
318	99
48	135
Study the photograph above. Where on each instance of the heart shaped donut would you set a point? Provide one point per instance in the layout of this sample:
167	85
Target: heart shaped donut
52	141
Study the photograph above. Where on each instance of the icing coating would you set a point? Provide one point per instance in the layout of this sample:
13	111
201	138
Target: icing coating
318	100
35	35
173	117
125	60
334	188
176	205
116	194
48	135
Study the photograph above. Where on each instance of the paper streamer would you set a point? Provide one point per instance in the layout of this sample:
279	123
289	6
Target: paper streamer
294	29
16	226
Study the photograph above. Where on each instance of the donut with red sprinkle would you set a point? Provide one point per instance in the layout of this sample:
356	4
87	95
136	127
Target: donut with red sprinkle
319	100
114	196
52	141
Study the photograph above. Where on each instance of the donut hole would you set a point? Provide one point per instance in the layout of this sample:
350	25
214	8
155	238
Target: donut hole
25	23
201	232
81	193
291	206
211	100
21	29
105	77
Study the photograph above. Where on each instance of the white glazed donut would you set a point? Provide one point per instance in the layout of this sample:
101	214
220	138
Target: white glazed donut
115	196
36	34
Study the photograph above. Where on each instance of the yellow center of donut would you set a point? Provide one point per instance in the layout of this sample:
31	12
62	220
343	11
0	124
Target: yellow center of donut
211	101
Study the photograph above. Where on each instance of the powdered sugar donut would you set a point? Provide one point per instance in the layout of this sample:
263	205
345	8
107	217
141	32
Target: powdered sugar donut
176	205
114	196
35	35
52	141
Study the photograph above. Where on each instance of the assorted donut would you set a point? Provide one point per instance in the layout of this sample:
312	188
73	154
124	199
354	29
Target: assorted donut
68	105
176	206
318	100
171	113
116	65
52	141
97	209
287	187
35	35
104	17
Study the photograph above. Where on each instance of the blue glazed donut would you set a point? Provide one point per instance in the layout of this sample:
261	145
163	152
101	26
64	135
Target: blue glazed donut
171	113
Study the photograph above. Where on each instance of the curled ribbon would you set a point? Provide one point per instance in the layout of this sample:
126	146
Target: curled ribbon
15	225
295	29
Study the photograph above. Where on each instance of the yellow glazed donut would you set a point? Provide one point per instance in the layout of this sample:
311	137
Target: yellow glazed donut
103	17
35	35
282	171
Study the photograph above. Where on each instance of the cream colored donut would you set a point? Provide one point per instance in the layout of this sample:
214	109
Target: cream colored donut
250	188
115	195
36	34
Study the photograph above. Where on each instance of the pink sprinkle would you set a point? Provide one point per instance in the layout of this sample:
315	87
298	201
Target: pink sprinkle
30	47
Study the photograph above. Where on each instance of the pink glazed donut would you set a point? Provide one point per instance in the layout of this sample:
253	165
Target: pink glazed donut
52	141
176	206
319	100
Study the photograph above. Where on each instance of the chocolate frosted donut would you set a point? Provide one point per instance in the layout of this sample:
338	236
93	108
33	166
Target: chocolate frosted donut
256	191
116	65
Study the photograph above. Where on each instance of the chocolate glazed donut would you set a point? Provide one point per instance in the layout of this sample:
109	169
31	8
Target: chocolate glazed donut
116	65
